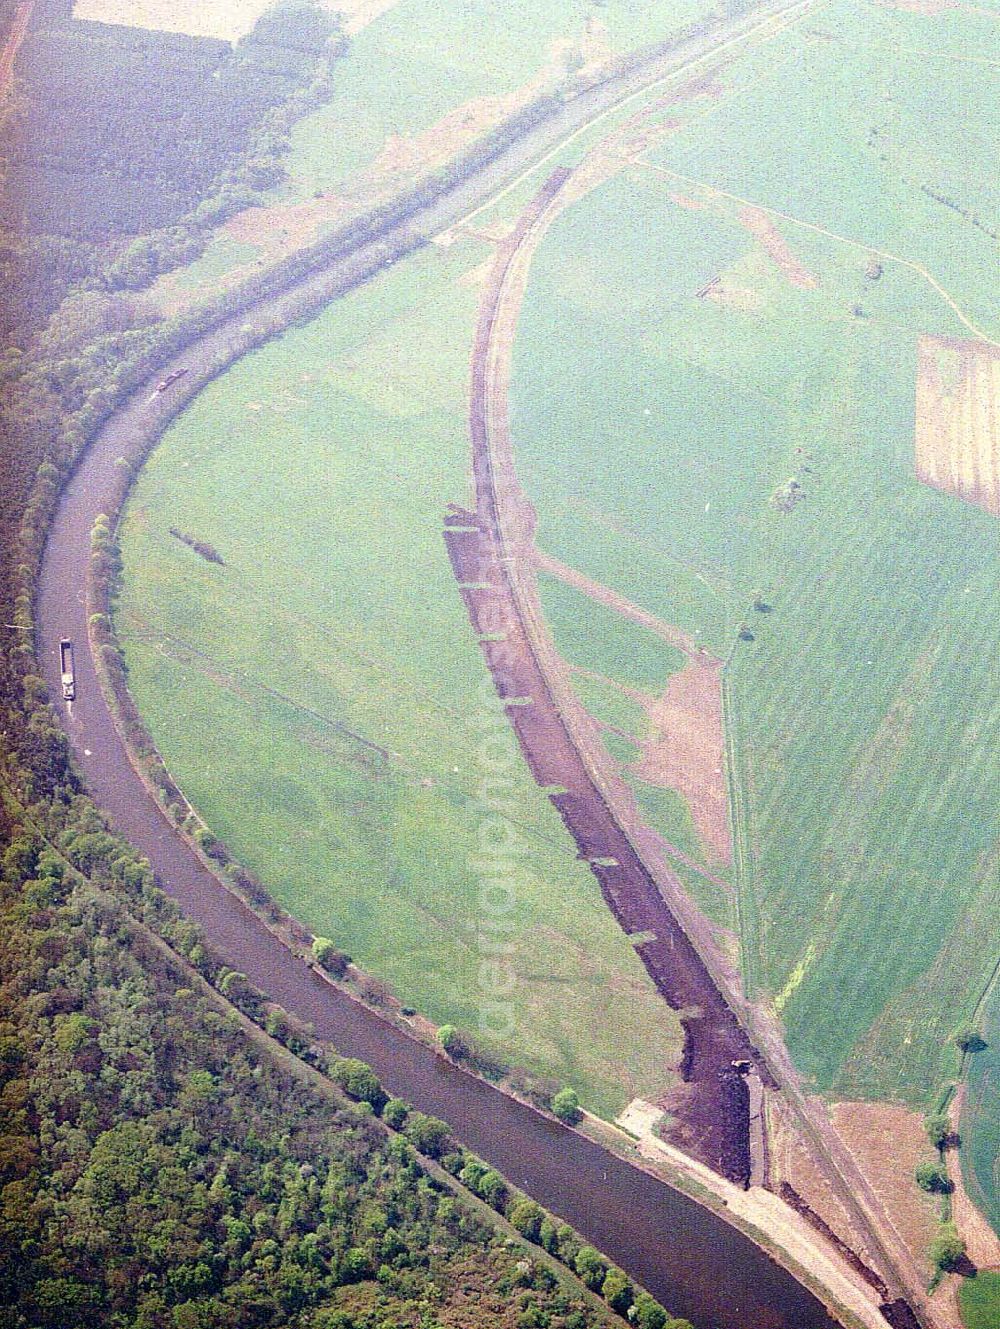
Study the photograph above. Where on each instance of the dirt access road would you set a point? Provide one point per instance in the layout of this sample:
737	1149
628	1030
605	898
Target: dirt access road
15	36
493	553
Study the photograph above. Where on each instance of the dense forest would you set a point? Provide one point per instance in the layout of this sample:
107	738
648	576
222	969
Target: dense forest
159	1169
123	130
122	148
174	1151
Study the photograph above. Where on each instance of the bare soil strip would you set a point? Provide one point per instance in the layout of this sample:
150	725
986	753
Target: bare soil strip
492	554
775	246
686	750
957	433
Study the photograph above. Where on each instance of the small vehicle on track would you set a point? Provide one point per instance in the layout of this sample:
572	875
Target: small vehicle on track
172	377
66	669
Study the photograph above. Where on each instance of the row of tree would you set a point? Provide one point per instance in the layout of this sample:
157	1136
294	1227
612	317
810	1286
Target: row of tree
159	1171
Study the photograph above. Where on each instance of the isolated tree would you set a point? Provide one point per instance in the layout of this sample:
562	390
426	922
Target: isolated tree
427	1134
526	1216
617	1291
360	1081
493	1189
933	1177
971	1040
947	1249
647	1313
590	1267
566	1105
395	1112
451	1040
334	961
938	1129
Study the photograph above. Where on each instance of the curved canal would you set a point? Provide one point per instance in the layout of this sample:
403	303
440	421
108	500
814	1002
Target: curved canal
688	1257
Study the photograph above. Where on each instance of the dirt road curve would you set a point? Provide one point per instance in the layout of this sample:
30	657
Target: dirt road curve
494	557
18	29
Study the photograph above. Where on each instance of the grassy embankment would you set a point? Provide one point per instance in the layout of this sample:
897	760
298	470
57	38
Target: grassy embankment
862	710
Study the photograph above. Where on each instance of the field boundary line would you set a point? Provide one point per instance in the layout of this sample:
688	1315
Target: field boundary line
910	263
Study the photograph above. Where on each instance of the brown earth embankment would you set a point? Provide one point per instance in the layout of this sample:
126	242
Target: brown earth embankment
711	1109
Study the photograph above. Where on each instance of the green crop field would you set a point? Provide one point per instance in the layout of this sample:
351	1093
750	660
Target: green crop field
979	1126
658	425
653	427
320	468
979	1299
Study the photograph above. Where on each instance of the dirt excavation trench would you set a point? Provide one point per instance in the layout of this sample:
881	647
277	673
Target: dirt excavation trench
495	560
491	552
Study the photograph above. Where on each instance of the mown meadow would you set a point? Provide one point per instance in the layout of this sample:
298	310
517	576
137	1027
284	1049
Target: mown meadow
319	468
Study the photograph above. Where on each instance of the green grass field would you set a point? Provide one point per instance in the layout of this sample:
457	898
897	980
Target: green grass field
320	467
980	1123
979	1299
653	428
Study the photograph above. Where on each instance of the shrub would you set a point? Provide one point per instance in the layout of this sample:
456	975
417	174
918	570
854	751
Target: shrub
395	1112
566	1105
938	1129
427	1134
334	961
526	1216
971	1040
947	1249
617	1291
647	1313
934	1177
360	1081
591	1267
451	1040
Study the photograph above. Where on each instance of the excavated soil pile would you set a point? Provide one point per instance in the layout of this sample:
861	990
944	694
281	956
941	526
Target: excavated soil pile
710	1110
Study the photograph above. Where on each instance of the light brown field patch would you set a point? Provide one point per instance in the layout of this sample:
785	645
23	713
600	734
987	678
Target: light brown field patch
478	276
929	7
957	435
744	299
357	14
685	750
702	85
888	1142
774	244
686	201
284	227
226	19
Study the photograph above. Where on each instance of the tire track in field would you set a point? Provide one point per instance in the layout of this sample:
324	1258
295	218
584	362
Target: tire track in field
16	35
